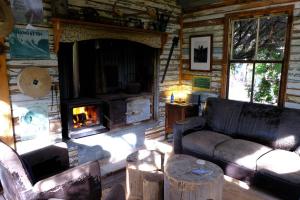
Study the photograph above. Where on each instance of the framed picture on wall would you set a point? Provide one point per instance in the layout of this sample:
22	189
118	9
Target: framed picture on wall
201	52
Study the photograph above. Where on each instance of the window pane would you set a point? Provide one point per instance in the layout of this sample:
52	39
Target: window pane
244	39
266	83
240	81
272	31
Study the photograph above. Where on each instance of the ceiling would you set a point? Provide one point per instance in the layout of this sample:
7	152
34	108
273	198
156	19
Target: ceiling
189	4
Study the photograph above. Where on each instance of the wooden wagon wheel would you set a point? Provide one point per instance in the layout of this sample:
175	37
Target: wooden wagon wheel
6	18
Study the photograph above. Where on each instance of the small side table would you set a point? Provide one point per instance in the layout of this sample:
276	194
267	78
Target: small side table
181	182
177	112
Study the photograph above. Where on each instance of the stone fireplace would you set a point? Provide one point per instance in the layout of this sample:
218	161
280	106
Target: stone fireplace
105	84
117	66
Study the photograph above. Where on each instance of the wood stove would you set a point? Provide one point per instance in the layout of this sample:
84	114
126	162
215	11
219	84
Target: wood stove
82	117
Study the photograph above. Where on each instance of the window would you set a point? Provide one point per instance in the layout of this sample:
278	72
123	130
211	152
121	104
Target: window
257	58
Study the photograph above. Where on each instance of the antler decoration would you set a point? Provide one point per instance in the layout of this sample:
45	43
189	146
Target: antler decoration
116	12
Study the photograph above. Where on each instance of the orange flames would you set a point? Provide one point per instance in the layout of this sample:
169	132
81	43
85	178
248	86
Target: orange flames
85	116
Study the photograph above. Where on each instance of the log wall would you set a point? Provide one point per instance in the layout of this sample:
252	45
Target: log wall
19	100
211	20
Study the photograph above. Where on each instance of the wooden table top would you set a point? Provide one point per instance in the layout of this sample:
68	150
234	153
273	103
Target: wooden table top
181	168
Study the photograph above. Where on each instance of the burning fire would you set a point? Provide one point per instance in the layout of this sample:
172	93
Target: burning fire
79	110
84	116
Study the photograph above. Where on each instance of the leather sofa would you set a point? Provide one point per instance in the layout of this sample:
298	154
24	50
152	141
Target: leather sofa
255	143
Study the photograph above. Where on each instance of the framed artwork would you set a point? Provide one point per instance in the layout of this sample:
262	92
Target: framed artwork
29	44
201	52
201	83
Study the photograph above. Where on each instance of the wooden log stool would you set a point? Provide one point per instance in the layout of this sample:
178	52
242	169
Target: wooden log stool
144	175
153	187
189	178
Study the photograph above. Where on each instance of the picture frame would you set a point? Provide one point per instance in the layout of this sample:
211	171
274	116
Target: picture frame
201	52
201	83
29	44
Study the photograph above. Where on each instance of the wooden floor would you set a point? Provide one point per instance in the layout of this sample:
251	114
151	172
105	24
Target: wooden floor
233	189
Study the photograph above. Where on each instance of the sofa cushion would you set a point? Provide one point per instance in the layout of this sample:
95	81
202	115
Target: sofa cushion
241	152
281	164
203	142
259	123
223	115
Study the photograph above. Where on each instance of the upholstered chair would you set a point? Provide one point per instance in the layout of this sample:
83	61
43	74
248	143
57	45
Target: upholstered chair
44	174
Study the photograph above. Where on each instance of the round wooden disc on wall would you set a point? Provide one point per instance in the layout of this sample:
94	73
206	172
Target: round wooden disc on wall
6	18
34	82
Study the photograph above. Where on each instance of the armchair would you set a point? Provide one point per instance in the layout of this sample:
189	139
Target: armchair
44	174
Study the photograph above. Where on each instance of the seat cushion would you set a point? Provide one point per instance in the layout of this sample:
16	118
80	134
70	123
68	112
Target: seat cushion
203	142
241	152
281	164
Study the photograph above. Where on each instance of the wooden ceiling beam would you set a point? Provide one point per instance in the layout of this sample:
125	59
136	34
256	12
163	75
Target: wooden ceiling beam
252	4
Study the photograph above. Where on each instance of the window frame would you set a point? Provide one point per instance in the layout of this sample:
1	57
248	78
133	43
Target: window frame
229	18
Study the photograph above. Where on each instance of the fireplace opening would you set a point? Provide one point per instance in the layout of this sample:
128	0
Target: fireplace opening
85	116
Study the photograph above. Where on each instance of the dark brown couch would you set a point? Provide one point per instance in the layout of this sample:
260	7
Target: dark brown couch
251	142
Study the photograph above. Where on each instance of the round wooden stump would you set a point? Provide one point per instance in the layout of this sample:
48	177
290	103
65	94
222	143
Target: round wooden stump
186	179
153	187
143	164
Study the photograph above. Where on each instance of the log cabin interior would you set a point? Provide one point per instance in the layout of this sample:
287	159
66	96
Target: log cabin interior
105	99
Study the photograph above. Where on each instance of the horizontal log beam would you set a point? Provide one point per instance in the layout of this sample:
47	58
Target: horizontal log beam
250	4
201	23
214	62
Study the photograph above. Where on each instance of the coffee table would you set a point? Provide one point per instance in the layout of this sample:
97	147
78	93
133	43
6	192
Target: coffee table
189	178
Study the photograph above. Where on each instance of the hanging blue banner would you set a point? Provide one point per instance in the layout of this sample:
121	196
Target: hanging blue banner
29	44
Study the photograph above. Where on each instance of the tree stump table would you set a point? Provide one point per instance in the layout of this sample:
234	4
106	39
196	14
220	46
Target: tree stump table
144	175
189	178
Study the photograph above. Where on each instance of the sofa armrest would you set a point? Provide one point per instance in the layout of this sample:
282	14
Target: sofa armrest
185	127
81	182
47	161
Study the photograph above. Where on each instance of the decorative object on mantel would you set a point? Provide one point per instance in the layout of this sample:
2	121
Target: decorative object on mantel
6	19
90	14
59	8
201	52
134	22
27	12
162	20
29	44
34	82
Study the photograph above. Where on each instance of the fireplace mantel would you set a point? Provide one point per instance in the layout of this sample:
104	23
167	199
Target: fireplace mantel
66	30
